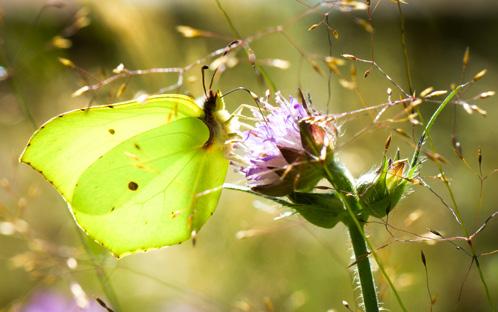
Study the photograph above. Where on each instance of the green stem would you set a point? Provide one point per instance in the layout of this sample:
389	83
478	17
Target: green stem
270	84
365	276
428	127
426	133
404	46
341	180
101	273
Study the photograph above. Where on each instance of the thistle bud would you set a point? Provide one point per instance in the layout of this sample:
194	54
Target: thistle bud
315	140
381	190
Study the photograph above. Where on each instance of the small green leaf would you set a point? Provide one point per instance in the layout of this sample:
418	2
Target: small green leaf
323	210
245	189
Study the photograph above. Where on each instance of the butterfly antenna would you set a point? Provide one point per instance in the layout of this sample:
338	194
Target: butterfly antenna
255	99
214	74
228	48
203	70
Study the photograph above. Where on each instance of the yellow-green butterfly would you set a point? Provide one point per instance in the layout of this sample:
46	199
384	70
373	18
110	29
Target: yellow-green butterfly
136	175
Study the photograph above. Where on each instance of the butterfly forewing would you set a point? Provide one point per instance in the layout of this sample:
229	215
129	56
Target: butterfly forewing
63	148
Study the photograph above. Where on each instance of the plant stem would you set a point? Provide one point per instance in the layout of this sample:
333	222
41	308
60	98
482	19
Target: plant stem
101	273
415	159
428	126
259	69
342	181
404	46
364	272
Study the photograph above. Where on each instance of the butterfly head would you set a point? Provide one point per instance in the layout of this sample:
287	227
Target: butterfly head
216	117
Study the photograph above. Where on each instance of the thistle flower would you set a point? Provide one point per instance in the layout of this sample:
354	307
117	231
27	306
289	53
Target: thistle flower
276	155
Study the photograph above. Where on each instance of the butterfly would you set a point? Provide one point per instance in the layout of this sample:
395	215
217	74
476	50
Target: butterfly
136	175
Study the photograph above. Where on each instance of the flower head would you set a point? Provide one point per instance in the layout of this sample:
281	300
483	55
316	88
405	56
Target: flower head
274	157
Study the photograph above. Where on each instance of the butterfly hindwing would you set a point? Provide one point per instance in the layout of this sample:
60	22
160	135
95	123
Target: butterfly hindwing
148	188
135	175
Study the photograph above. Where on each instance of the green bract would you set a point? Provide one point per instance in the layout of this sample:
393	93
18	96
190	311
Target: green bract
302	175
136	175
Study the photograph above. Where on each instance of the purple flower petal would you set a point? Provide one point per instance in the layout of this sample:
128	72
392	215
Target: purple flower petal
260	147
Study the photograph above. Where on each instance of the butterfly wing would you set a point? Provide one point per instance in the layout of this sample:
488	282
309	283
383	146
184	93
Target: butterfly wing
150	187
147	192
66	145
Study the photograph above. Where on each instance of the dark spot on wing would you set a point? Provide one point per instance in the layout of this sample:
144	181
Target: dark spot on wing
111	131
132	186
60	116
110	106
113	208
137	146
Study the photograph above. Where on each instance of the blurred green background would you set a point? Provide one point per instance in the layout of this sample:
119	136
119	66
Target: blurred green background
281	265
